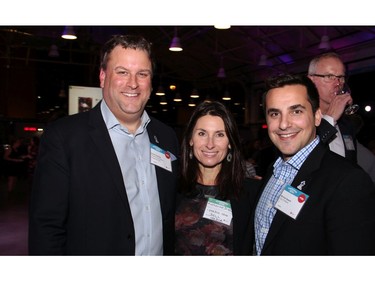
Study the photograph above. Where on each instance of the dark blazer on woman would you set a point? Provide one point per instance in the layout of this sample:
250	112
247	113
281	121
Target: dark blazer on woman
338	218
79	205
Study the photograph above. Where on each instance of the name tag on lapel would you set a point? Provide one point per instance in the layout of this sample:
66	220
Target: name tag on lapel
161	158
349	144
291	201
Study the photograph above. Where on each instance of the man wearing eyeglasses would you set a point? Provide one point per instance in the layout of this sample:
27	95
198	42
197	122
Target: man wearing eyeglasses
337	129
327	71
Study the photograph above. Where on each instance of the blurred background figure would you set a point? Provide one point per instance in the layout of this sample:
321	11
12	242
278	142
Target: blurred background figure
14	164
248	150
32	153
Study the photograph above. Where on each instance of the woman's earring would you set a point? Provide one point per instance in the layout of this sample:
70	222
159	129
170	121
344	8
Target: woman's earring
191	153
229	156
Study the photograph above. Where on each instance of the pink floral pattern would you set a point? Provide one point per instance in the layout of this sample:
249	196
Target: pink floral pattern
196	235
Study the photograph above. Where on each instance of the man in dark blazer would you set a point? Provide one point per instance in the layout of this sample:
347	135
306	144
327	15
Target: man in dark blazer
313	201
88	198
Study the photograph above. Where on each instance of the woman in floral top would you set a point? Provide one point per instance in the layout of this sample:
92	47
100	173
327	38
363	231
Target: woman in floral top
214	208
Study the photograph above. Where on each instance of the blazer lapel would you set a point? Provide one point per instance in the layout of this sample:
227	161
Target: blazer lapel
104	148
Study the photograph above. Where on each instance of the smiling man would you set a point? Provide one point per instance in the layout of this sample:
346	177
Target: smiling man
313	202
105	181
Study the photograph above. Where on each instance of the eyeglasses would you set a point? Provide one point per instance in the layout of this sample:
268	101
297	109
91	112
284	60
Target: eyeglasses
329	78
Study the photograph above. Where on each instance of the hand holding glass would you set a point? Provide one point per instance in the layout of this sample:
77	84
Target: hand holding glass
350	109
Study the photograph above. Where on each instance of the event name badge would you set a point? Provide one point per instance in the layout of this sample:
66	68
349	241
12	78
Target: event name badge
161	158
219	211
291	201
349	144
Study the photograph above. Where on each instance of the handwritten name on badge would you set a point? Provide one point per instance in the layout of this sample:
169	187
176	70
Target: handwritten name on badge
291	201
161	158
219	211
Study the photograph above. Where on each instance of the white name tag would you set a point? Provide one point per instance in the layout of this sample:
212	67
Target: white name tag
291	201
161	158
219	211
349	144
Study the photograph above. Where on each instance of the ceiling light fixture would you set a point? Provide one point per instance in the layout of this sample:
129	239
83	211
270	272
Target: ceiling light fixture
226	96
175	44
69	33
194	94
192	103
221	72
263	60
160	91
222	26
177	97
53	51
163	101
325	43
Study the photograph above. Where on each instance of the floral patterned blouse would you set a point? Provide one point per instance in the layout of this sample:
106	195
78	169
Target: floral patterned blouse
196	235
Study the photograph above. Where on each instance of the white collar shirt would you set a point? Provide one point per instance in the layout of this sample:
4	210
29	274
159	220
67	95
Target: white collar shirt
337	144
134	156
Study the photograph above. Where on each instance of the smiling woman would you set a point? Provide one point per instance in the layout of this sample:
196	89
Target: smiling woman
212	216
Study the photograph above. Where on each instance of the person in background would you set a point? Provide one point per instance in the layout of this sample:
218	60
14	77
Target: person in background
32	153
105	180
213	211
14	164
250	165
313	201
337	129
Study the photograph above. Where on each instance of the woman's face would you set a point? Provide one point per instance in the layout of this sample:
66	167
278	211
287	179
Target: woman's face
209	141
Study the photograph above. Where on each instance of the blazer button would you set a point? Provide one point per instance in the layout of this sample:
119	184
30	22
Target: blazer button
129	236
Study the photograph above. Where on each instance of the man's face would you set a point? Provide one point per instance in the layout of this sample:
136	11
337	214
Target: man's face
290	119
126	82
326	89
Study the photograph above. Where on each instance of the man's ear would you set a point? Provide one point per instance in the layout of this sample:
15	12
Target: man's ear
318	117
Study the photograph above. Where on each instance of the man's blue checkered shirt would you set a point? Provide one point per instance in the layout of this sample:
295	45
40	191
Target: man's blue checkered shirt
283	174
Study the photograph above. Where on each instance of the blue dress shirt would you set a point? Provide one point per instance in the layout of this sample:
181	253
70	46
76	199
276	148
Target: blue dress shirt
134	155
283	174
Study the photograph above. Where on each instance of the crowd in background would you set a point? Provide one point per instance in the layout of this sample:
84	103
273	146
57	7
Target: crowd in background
18	162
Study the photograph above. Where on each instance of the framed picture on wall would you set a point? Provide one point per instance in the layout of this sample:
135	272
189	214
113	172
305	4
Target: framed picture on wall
82	99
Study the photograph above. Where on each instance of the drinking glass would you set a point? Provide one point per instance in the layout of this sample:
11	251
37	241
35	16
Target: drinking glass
350	109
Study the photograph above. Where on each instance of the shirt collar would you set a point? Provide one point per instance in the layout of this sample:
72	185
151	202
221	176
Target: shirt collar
297	160
112	122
